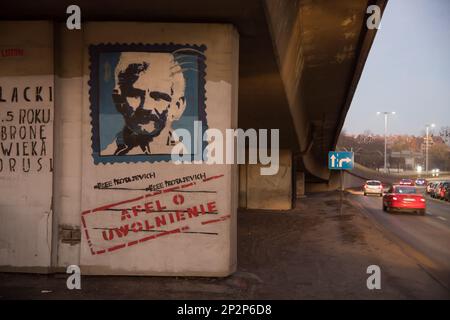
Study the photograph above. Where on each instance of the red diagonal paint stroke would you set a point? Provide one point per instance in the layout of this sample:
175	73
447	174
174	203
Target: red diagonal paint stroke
168	232
216	220
171	189
153	193
159	235
119	246
87	234
83	222
147	238
108	206
136	199
187	185
116	204
132	243
213	177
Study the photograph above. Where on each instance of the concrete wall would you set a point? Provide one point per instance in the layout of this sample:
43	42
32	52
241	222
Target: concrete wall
135	212
352	181
332	184
26	150
300	182
271	191
68	124
243	186
183	244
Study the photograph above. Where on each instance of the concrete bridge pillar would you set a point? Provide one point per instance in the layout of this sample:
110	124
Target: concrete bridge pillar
267	192
121	93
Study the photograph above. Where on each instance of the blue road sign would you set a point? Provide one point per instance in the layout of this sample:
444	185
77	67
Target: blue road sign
340	160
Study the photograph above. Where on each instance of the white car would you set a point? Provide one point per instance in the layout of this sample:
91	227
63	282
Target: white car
373	187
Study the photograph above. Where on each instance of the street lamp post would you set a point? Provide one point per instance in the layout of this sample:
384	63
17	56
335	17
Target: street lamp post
428	126
386	114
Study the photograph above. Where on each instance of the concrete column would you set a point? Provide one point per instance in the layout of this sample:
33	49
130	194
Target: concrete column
271	191
141	213
68	115
243	186
300	181
26	152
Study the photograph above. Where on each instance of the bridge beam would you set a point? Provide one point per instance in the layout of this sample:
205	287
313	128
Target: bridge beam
321	47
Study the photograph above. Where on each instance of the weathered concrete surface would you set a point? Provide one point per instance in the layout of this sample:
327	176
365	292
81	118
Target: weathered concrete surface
26	112
190	245
307	253
29	204
271	191
299	64
321	47
68	142
300	184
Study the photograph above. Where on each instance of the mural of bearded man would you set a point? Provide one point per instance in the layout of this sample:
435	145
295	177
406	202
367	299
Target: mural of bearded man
149	93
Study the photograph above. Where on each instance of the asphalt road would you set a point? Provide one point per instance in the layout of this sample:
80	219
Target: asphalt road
425	238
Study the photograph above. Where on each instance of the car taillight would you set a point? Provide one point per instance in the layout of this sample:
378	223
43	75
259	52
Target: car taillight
394	198
422	199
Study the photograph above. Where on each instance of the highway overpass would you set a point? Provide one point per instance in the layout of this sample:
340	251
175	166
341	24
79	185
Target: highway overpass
299	61
103	189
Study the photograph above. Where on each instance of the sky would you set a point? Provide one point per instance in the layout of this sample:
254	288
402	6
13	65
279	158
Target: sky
407	71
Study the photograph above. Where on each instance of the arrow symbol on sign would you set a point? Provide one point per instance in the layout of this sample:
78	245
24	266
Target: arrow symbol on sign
344	160
333	158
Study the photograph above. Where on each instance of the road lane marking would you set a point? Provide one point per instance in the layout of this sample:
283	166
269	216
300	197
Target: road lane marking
442	218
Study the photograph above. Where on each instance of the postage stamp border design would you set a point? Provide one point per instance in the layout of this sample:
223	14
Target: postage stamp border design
95	50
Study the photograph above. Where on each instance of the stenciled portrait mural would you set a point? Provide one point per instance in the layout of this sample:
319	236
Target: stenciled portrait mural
139	94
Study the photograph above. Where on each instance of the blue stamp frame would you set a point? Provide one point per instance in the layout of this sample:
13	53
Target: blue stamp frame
102	55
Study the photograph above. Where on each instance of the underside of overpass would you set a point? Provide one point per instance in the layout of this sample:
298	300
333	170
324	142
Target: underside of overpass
109	189
299	60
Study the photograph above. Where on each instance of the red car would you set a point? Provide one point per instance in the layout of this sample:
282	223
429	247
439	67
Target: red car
401	197
407	182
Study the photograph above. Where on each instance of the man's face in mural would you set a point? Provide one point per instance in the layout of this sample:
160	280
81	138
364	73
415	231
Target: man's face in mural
149	93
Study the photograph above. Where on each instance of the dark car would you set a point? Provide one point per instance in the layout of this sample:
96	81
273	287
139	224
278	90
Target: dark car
436	189
406	182
447	194
420	182
442	190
